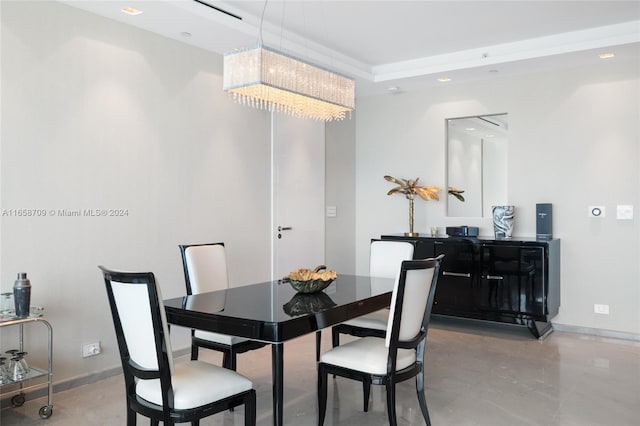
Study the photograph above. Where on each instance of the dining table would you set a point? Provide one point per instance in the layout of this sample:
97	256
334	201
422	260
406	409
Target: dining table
274	312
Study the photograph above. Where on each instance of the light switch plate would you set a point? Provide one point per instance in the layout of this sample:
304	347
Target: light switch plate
624	212
332	211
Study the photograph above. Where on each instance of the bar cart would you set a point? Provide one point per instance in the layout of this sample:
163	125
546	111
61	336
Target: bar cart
26	382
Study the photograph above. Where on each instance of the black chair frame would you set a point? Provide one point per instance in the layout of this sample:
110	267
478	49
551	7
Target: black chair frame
165	413
229	352
392	377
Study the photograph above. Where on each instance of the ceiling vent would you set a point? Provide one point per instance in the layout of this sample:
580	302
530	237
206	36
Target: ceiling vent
217	9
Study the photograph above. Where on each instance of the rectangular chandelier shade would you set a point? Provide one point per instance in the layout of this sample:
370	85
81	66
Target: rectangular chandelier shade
264	78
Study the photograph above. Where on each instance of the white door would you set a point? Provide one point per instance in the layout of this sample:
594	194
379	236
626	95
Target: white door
298	194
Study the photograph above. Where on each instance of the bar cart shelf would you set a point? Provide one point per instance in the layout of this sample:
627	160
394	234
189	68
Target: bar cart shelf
19	387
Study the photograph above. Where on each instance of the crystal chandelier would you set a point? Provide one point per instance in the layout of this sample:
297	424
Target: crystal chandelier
264	78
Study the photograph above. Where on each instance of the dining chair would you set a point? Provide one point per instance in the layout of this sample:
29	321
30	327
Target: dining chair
397	357
156	387
205	269
385	258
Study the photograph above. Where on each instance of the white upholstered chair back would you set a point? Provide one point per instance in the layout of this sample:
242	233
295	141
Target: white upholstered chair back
207	267
417	285
385	259
134	310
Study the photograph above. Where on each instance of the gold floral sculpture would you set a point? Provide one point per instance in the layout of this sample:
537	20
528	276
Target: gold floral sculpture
410	188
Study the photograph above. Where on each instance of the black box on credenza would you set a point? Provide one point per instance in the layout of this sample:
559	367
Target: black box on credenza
544	221
462	231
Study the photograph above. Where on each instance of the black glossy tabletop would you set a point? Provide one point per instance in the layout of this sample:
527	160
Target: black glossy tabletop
274	312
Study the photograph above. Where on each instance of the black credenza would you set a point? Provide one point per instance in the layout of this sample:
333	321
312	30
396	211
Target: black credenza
515	281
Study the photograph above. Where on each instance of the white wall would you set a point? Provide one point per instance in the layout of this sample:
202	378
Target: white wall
99	115
340	180
573	142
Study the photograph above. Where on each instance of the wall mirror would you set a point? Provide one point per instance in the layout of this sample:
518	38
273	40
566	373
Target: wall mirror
476	163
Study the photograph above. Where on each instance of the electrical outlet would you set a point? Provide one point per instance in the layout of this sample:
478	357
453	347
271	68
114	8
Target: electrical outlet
601	309
90	349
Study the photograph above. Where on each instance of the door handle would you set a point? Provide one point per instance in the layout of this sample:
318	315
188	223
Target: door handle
456	274
284	228
494	277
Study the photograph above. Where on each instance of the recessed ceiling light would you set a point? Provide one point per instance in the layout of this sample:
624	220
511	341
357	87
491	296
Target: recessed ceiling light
444	79
493	71
606	55
393	88
186	34
131	11
470	129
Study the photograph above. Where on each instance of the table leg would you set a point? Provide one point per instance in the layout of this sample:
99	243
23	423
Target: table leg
277	361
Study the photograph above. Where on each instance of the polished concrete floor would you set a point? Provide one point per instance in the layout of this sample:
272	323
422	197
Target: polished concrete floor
474	376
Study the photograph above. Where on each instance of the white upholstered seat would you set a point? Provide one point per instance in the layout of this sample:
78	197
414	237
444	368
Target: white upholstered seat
368	354
194	384
375	320
225	339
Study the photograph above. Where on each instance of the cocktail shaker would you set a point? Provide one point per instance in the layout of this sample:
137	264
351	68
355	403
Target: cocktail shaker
22	295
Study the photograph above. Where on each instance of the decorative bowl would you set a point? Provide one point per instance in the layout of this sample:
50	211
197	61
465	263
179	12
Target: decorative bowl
311	281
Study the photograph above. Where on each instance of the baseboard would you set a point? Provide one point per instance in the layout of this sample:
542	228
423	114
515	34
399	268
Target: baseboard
73	382
487	326
597	332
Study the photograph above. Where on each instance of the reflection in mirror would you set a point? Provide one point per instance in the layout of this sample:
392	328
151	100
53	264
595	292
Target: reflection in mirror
476	164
